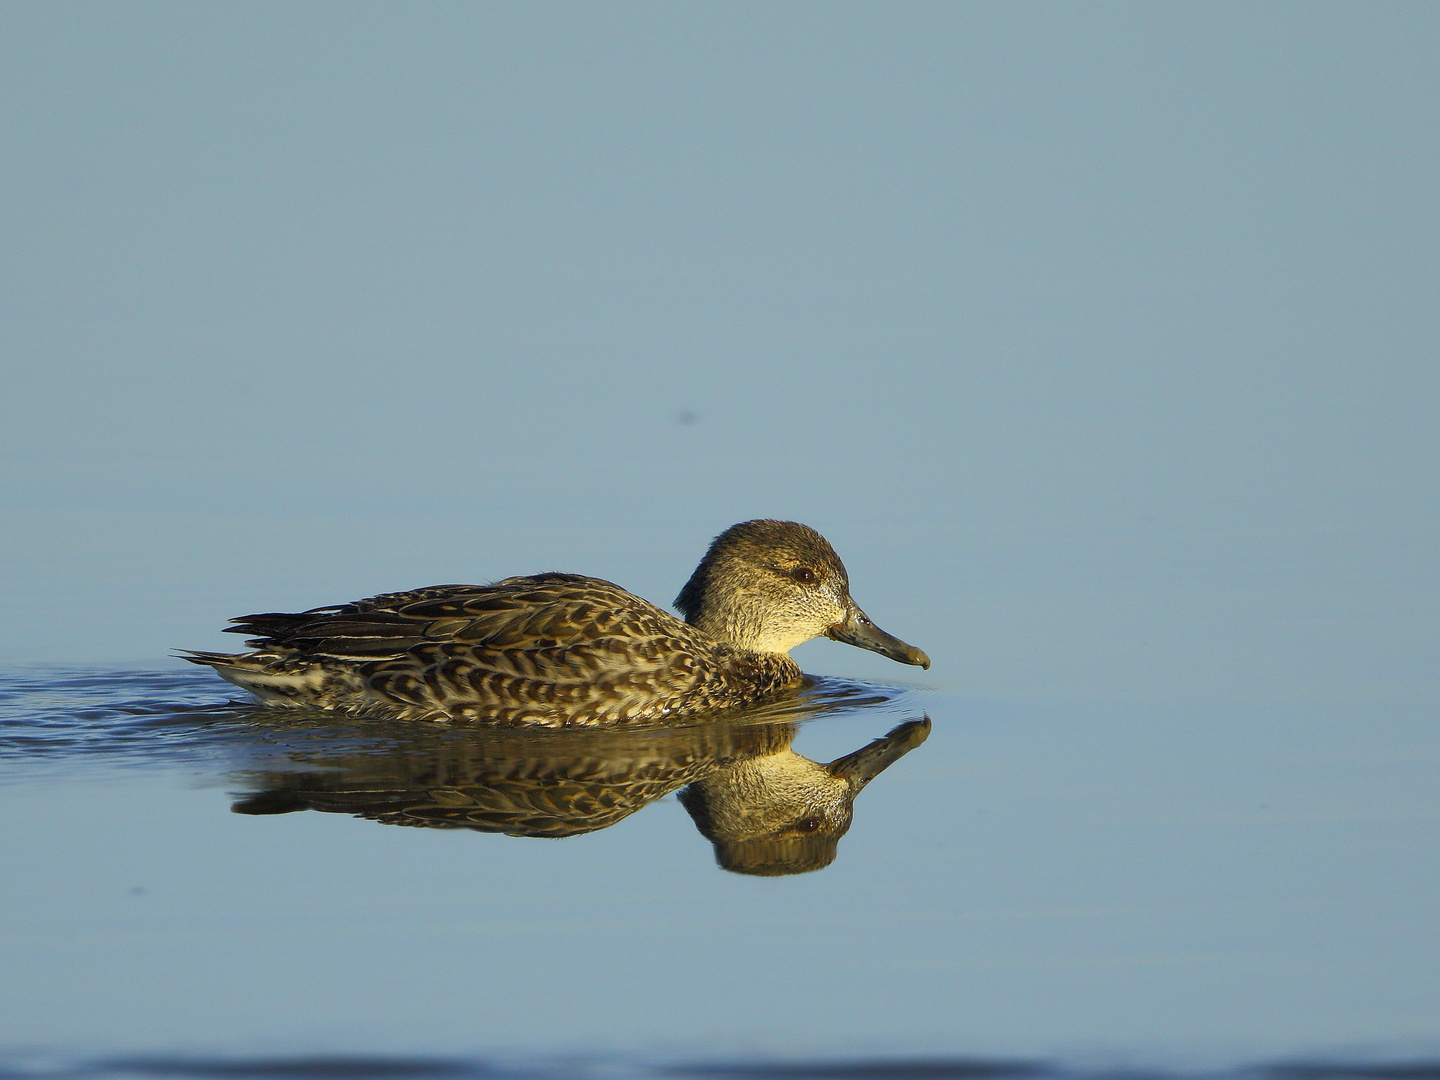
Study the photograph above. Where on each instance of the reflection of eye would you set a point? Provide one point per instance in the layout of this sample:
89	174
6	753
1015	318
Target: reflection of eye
809	824
803	574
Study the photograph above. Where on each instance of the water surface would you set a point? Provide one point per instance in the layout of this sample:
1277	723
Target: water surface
1043	886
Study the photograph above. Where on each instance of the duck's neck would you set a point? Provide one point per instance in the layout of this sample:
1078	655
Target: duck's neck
747	629
753	677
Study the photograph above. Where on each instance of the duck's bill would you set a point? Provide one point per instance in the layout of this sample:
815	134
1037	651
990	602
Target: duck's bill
870	761
857	629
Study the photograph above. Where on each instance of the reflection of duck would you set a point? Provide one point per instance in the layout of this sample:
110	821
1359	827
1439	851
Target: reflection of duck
767	808
559	649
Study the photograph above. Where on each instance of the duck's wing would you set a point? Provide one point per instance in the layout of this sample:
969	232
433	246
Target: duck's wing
520	614
557	649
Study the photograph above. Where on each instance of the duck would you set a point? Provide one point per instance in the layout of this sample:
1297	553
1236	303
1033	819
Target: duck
564	650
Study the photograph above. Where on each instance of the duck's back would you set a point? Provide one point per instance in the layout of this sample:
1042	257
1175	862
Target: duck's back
550	649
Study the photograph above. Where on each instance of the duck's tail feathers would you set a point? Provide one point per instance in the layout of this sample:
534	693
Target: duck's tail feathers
272	683
210	659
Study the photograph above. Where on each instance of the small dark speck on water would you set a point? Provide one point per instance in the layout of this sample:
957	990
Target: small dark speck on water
687	417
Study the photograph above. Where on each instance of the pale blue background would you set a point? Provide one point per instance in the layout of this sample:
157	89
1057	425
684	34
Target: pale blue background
1102	340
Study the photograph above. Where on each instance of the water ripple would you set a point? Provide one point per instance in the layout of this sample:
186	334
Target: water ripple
54	718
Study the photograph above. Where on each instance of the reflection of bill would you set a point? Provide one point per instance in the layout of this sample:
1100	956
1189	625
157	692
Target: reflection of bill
767	809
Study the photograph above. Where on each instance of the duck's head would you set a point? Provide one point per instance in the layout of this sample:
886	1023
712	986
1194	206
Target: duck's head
771	585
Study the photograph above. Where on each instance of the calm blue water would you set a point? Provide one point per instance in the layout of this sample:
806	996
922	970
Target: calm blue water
1049	889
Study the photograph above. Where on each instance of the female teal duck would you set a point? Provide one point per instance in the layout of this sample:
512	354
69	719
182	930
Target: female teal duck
561	649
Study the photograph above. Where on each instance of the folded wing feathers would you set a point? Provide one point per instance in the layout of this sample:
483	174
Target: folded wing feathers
567	625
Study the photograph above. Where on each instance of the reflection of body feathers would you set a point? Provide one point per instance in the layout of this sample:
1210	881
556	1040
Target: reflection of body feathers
519	783
767	809
564	650
559	809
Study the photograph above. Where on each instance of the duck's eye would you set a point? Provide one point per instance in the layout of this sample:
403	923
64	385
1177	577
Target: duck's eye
804	575
809	824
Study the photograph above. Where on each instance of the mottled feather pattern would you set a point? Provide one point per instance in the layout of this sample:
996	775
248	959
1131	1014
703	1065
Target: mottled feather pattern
549	650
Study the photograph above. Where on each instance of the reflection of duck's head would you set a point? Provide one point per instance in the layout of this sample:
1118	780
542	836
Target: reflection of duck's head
782	813
772	585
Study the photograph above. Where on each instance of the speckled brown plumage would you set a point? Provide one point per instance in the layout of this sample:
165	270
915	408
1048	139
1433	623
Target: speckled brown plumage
565	650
